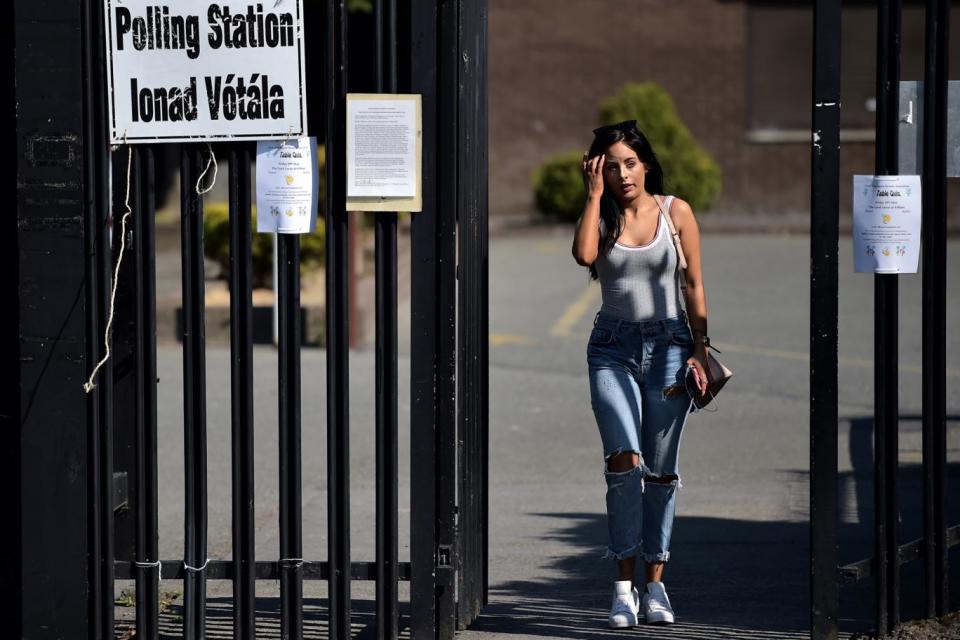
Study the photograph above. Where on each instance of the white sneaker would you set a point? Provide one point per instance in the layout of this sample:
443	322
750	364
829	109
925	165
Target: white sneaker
656	604
626	604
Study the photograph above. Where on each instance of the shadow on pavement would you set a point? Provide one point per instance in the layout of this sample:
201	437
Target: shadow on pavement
726	579
856	496
315	619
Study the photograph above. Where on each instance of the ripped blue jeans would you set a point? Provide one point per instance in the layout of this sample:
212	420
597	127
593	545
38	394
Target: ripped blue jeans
635	368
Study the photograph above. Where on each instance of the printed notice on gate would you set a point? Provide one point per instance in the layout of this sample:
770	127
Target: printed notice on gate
382	138
186	71
288	179
886	224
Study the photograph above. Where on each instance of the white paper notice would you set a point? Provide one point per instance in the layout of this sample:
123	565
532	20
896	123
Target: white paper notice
886	224
381	148
287	185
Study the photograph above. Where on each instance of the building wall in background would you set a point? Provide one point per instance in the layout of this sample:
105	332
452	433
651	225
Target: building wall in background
738	71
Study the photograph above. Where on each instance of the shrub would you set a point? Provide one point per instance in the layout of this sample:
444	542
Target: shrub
689	170
216	244
558	188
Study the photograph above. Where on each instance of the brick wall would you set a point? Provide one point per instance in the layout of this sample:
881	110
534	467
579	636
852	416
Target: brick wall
551	63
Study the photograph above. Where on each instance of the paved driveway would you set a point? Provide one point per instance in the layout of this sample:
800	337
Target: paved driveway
740	543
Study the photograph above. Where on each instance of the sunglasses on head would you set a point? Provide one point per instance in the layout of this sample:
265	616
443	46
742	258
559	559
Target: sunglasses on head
627	126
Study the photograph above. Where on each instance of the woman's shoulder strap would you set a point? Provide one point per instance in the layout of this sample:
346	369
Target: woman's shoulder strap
674	234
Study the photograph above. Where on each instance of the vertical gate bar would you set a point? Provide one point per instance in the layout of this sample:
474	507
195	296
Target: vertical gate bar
337	327
92	325
386	360
291	525
934	304
421	74
194	397
467	374
886	401
148	575
824	240
11	422
483	309
106	414
106	387
99	401
241	394
446	390
125	377
939	334
477	42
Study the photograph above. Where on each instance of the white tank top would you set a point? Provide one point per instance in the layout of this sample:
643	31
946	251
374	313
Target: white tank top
639	283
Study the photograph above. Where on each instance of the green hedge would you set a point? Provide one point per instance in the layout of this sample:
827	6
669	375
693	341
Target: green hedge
558	186
689	170
216	244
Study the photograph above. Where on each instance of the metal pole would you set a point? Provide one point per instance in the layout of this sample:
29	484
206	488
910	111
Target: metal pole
276	289
824	239
148	575
886	404
11	419
241	395
337	321
291	529
421	71
386	360
445	419
934	305
100	401
472	315
194	398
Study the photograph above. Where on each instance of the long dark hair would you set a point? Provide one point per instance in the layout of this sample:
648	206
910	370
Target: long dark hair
610	210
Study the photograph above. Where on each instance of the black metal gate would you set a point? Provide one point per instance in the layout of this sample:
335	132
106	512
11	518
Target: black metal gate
890	554
81	455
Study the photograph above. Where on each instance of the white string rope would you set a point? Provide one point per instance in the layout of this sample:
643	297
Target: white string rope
292	563
211	159
89	386
187	567
149	565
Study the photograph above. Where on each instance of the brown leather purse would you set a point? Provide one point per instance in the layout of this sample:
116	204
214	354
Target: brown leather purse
717	372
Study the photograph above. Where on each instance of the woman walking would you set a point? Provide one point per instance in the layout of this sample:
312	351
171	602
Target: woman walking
648	344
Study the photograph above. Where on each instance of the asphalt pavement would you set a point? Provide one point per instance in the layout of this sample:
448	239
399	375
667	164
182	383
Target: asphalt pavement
740	547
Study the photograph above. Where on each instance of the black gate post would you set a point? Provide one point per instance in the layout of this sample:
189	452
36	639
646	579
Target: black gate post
337	323
824	240
472	379
885	399
421	77
934	239
55	203
10	602
433	74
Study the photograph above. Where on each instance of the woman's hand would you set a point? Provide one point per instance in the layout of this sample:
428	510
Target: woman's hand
593	175
699	362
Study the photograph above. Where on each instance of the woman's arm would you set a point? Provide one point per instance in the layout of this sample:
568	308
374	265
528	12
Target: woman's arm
586	238
689	231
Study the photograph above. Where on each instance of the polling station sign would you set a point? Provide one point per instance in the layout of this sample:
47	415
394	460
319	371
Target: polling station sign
186	71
